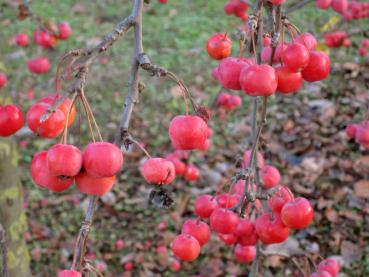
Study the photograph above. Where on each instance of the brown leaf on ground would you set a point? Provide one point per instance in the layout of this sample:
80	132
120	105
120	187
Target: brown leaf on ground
350	251
331	215
361	189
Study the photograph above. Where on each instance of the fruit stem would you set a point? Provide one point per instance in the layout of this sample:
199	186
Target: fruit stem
141	147
83	99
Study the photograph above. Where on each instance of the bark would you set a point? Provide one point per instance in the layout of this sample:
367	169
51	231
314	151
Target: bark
12	216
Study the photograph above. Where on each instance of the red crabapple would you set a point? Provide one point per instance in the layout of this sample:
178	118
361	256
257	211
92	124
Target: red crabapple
323	4
42	176
158	171
339	6
192	173
229	71
288	81
90	185
204	205
245	254
102	159
223	221
50	128
65	31
259	80
38	65
279	198
198	229
219	46
188	132
226	200
332	266
69	273
64	160
318	67
228	239
246	159
270	176
186	247
296	57
308	40
271	229
297	213
64	107
351	130
21	40
11	120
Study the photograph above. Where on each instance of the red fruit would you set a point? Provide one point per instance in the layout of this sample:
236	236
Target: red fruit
42	177
308	40
277	2
192	173
188	132
223	221
339	6
241	10
69	273
90	185
198	229
11	120
158	171
270	176
119	244
3	80
204	205
288	81
229	72
271	229
226	200
180	167
363	51
318	67
228	239
64	160
175	265
244	228
323	4
102	159
297	213
230	8
219	46
163	1
259	80
246	159
365	43
38	65
296	57
128	266
281	197
64	107
266	41
245	254
65	31
351	130
249	240
206	146
186	247
320	274
21	40
50	128
330	265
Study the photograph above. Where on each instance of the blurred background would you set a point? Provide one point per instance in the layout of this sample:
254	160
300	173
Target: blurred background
304	138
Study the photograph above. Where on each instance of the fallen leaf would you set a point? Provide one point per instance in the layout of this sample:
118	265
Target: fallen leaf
361	189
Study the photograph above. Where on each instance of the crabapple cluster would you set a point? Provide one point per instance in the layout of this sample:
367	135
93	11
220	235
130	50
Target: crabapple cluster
286	213
364	47
337	39
179	159
359	132
93	171
45	39
294	63
228	101
327	268
237	8
350	10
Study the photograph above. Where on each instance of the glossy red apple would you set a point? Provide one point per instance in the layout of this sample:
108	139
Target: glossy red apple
64	160
219	46
297	213
204	205
229	72
65	31
318	67
158	171
271	229
186	247
270	176
223	221
259	80
330	265
198	229
296	57
90	185
38	65
279	198
11	120
22	40
288	81
245	254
